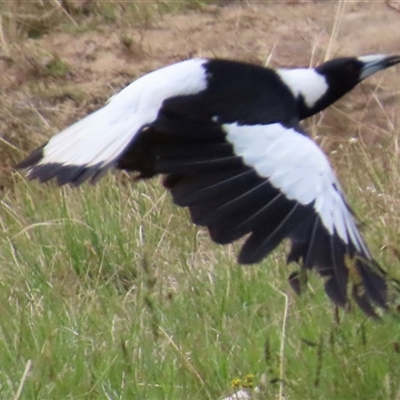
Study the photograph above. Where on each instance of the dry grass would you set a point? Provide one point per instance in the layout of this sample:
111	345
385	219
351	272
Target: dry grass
40	88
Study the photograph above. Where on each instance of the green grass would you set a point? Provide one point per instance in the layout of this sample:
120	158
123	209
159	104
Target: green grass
108	292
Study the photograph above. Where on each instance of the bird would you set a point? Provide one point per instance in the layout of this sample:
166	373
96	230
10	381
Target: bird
226	136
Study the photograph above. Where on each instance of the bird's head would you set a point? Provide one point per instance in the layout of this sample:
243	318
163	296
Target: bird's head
316	89
343	74
349	71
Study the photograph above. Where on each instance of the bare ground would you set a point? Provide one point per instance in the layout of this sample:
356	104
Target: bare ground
49	82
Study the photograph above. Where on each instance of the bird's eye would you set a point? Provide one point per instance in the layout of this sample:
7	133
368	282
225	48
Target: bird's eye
352	69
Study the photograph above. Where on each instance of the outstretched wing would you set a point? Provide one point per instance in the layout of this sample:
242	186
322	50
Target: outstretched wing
272	182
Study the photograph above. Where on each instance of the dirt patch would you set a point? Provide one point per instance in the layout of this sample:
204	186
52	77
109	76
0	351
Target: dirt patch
49	82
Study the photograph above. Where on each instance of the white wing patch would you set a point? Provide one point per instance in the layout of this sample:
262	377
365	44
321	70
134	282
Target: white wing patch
102	136
304	82
294	164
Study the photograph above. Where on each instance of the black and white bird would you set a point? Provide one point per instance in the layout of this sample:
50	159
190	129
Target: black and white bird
226	135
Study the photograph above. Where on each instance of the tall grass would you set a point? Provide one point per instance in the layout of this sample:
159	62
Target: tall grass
109	292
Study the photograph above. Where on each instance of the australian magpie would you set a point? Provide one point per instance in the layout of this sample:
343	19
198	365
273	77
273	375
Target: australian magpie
226	135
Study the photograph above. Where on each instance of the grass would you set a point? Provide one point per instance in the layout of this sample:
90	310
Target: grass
109	292
36	18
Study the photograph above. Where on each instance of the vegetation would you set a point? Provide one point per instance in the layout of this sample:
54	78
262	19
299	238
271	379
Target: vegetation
109	292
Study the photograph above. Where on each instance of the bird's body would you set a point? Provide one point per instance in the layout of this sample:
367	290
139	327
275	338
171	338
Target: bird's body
227	138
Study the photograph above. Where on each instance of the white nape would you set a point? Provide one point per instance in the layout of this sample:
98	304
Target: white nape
304	82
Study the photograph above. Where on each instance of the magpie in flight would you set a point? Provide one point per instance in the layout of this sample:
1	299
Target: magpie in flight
226	136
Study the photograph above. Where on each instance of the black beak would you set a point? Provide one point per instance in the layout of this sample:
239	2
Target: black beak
391	60
375	63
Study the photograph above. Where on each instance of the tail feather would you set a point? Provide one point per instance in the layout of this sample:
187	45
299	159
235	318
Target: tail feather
85	149
33	158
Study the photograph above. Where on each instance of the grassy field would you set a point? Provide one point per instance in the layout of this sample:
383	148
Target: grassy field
109	292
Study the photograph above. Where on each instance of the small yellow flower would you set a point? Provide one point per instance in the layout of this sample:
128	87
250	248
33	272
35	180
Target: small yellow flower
248	381
236	383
